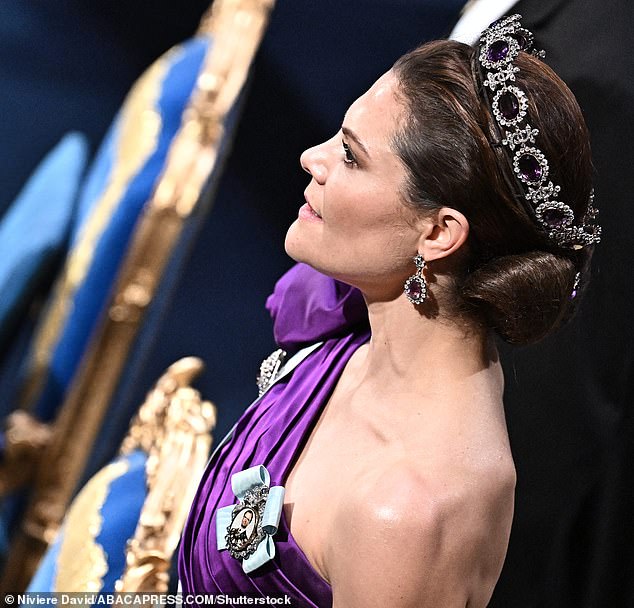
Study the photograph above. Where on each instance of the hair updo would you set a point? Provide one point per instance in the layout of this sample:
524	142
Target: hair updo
513	277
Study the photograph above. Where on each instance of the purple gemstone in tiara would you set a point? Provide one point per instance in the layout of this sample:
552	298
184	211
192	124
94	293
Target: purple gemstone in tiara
509	108
498	51
529	168
554	215
509	105
555	218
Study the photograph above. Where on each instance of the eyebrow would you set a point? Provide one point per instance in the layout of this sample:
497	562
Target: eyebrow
354	137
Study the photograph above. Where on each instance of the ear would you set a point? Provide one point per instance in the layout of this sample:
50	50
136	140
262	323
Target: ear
443	235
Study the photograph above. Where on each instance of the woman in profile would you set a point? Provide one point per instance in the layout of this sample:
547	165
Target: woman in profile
454	204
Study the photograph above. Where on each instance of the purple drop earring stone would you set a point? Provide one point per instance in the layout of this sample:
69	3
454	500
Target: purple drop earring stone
529	168
509	105
415	289
498	50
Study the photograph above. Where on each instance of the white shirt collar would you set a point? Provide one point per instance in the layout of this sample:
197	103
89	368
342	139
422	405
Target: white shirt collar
476	16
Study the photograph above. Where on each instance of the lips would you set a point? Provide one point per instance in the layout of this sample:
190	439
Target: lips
312	210
308	214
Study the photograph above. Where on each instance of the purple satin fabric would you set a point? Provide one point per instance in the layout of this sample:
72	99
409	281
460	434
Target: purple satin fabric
306	307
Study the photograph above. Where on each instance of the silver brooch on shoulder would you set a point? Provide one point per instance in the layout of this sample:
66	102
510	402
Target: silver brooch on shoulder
269	370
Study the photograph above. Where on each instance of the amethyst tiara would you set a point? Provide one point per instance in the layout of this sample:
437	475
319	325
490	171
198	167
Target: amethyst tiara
499	46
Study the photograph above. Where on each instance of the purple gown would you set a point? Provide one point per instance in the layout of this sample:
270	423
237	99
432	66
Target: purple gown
307	307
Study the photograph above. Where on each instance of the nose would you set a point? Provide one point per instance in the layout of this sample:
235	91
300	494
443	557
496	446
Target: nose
313	161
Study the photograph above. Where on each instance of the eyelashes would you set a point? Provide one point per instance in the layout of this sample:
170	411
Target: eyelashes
348	156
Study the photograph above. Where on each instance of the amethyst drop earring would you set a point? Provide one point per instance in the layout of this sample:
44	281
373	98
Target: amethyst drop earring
415	287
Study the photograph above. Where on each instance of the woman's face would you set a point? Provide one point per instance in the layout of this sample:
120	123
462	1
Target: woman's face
355	225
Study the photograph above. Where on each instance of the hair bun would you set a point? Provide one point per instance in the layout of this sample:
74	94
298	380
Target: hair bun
522	297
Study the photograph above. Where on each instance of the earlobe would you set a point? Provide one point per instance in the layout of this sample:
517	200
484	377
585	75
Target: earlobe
444	235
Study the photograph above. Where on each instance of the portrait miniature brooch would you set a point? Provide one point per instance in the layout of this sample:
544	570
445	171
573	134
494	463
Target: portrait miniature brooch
246	529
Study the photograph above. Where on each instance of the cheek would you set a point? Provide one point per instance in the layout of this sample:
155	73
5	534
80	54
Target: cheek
370	214
348	204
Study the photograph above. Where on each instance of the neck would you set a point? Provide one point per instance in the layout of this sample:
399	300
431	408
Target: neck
410	351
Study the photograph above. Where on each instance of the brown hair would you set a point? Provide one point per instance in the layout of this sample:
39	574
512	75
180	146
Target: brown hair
513	277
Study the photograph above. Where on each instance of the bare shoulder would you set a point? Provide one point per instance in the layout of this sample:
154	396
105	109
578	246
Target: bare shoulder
410	539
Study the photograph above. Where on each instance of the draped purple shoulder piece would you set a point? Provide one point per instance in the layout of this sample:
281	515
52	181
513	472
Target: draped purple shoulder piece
306	307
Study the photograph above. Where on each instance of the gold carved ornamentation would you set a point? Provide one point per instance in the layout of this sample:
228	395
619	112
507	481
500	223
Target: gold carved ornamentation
178	440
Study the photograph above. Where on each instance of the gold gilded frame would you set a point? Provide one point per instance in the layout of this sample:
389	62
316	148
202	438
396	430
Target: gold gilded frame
178	442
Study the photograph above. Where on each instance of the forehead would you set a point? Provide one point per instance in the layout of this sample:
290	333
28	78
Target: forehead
376	114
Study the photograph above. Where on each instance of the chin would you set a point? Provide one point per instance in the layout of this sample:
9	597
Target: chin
293	244
303	247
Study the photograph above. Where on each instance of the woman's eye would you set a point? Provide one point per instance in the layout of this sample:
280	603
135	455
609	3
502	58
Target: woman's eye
348	156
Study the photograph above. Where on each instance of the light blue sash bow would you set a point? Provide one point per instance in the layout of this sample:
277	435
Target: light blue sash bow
246	529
